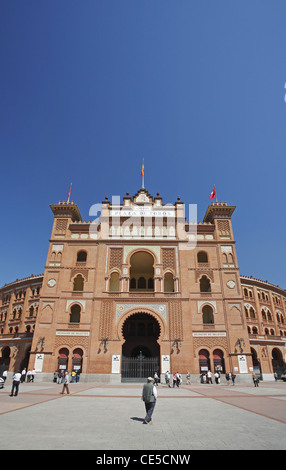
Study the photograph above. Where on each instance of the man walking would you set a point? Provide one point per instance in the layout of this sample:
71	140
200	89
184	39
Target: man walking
66	380
149	396
16	383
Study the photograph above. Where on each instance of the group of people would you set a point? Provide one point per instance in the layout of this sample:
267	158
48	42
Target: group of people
176	379
59	376
207	377
19	377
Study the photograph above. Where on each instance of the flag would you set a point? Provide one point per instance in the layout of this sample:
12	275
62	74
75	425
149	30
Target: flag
212	196
69	193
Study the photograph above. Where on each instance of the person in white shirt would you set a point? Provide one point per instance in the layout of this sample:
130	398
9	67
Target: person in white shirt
16	383
5	375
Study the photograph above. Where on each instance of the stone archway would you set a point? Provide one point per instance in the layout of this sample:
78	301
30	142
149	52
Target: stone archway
140	350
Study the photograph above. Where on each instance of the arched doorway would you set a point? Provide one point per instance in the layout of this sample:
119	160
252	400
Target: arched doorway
63	359
5	359
141	350
218	358
277	361
77	360
204	361
256	364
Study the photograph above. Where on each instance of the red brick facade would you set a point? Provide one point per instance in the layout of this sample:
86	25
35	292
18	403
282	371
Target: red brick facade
147	282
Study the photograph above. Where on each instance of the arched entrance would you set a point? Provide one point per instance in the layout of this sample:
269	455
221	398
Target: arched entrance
277	361
204	361
140	351
256	364
5	359
218	358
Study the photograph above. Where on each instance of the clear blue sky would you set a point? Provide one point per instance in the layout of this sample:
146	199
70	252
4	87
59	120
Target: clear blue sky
89	88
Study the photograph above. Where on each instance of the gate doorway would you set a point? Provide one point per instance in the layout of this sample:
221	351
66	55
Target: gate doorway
141	351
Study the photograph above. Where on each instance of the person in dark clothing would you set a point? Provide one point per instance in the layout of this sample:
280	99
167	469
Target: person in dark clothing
149	396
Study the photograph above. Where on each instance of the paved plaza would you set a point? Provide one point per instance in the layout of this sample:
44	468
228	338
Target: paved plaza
110	417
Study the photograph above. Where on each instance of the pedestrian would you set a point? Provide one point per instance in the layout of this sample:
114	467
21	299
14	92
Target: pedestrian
167	378
149	396
228	376
77	376
33	373
217	377
178	379
156	379
23	375
233	377
60	377
188	377
16	383
275	376
255	380
29	375
73	377
174	380
66	383
55	377
5	375
209	376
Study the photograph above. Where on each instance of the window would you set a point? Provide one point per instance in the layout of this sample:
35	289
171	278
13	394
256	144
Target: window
205	285
168	282
75	314
81	257
114	282
208	317
78	283
202	257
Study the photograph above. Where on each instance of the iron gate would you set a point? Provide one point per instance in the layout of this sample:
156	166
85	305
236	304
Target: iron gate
137	369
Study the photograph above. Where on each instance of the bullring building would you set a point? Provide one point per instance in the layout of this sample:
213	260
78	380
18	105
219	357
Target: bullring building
139	290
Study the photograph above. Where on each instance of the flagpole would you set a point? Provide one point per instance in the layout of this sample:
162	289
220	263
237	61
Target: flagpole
69	193
215	194
143	171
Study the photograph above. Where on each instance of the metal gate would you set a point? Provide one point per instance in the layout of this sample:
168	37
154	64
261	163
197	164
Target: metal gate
137	369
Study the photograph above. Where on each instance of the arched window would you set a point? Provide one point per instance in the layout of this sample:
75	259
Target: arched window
78	283
264	315
133	283
168	282
252	312
75	314
142	269
81	257
208	317
202	257
114	282
151	283
205	285
141	283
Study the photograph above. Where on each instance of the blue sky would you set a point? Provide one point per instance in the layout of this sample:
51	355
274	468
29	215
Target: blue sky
196	88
